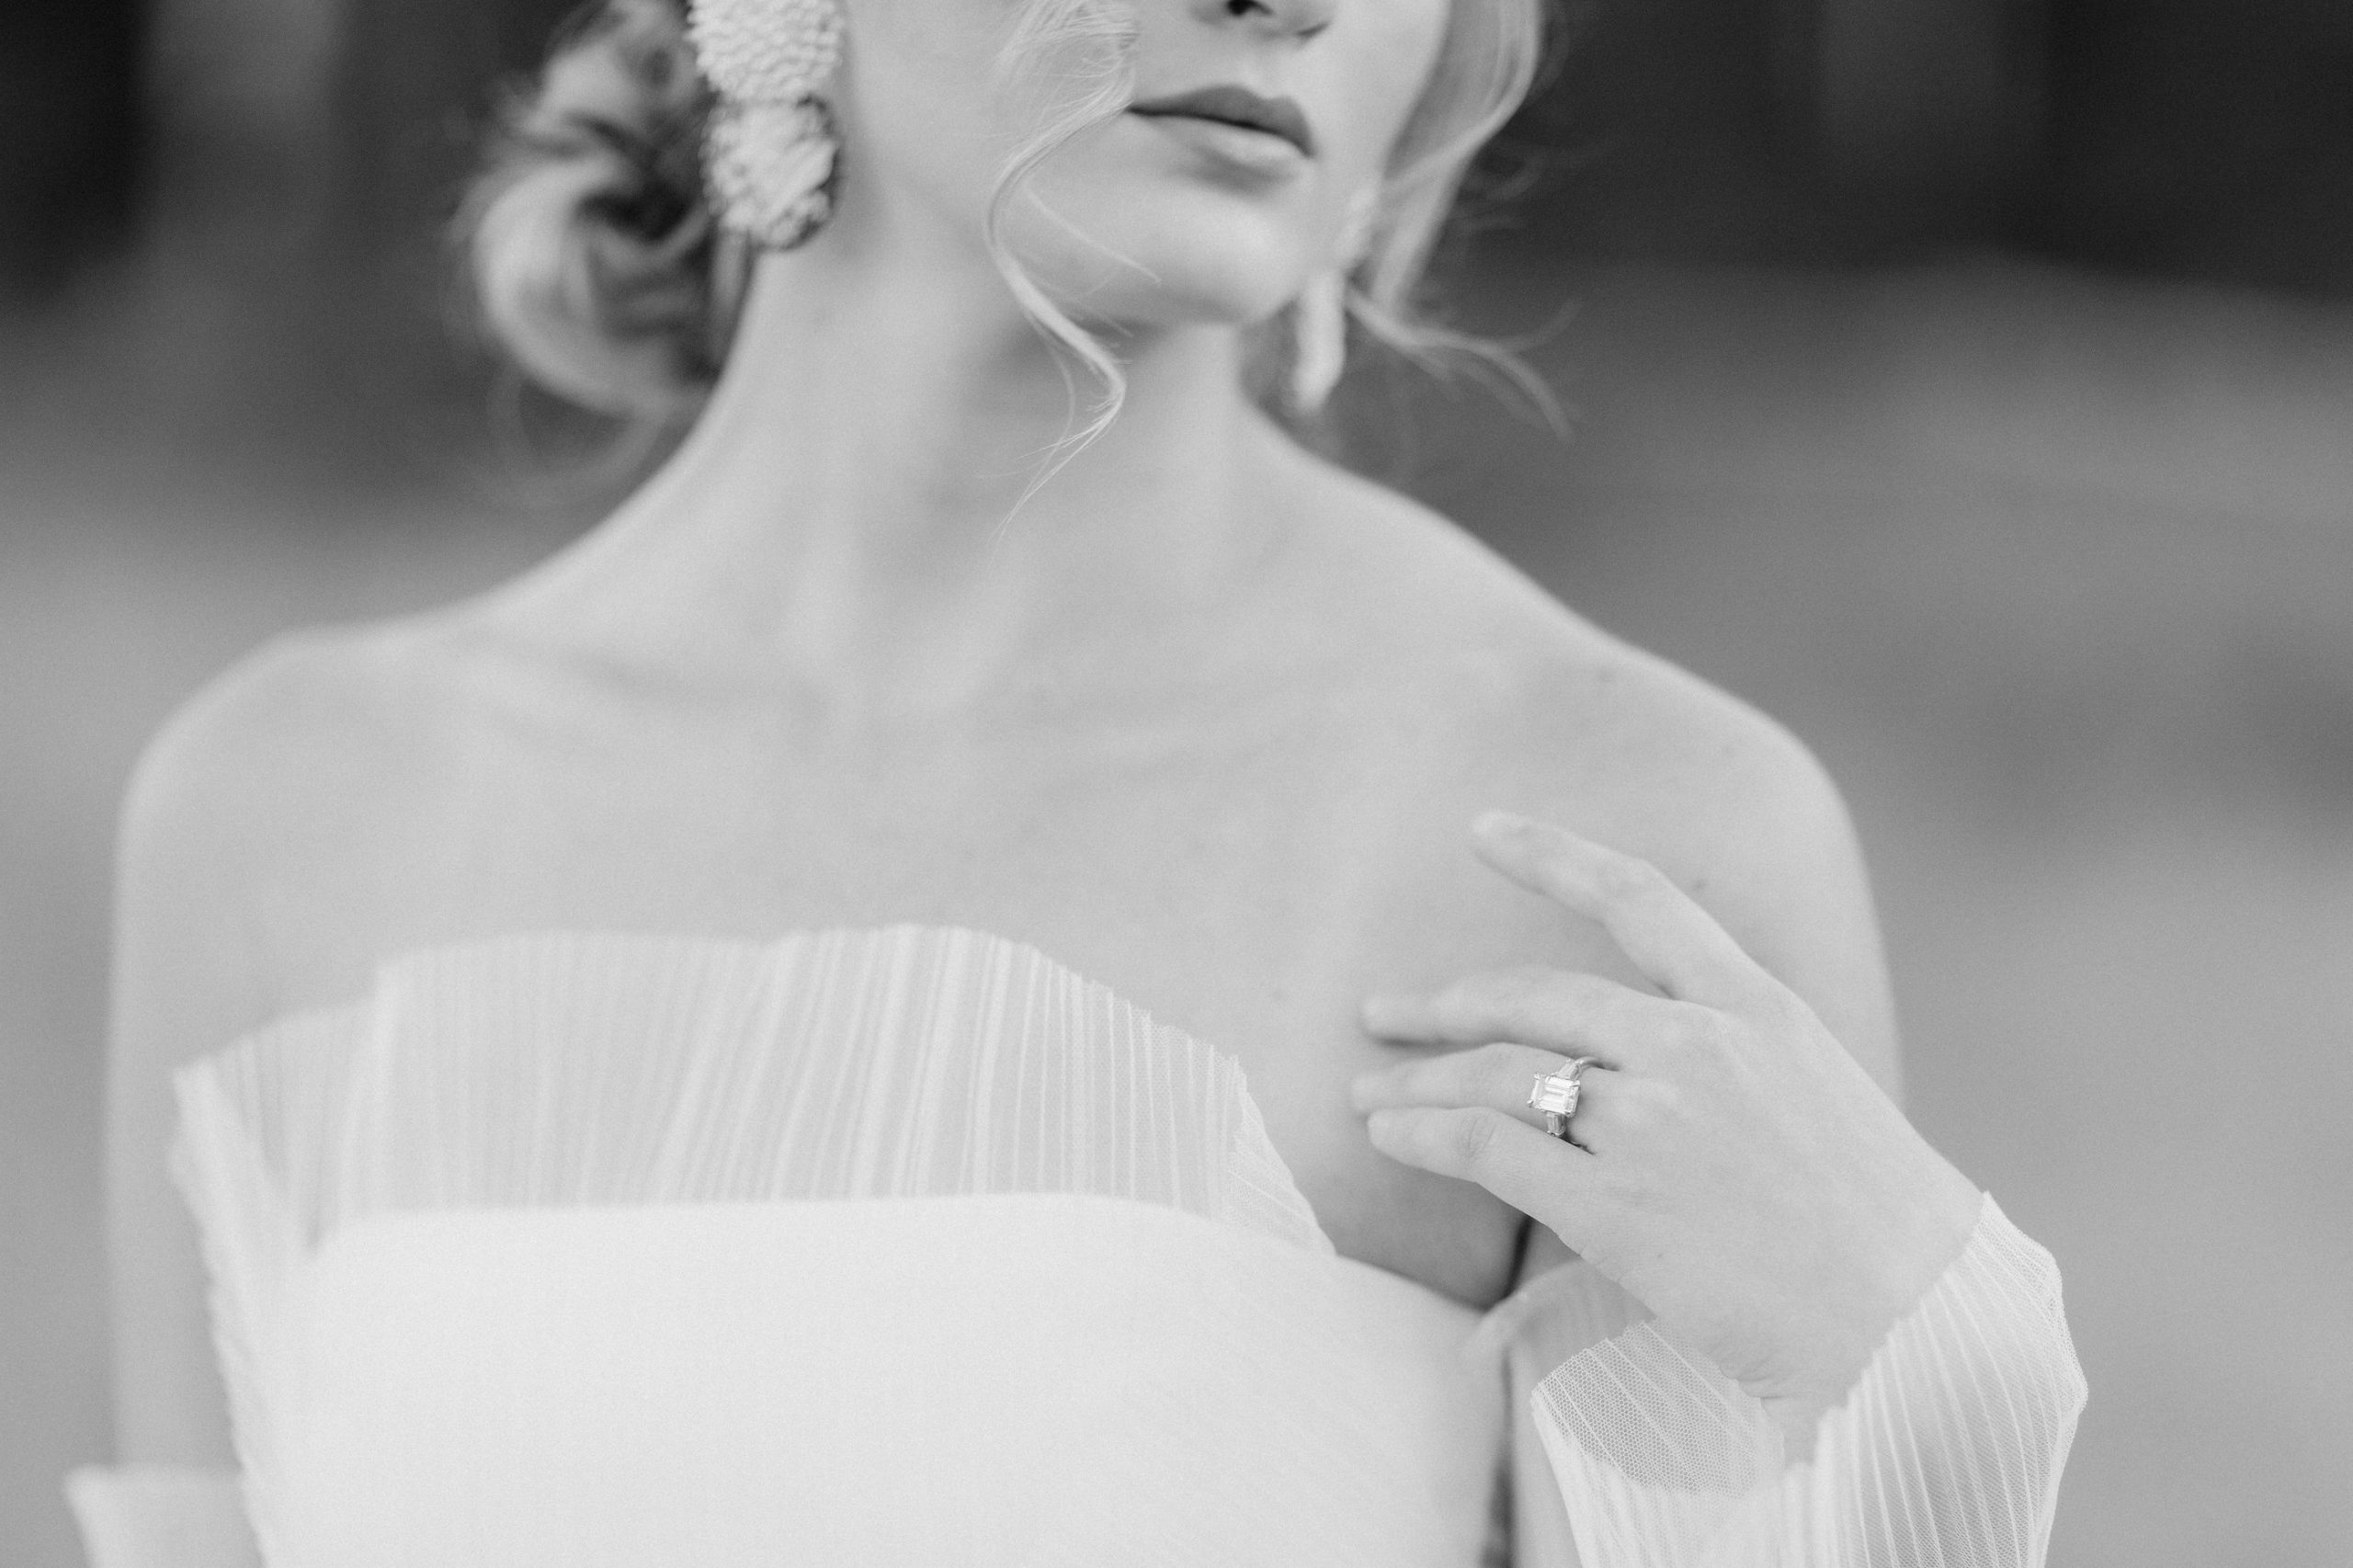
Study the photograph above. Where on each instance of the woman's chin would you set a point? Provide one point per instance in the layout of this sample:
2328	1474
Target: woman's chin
1156	280
1127	312
1144	236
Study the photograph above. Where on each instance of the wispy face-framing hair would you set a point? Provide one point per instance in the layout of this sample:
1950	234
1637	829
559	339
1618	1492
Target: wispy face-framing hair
998	130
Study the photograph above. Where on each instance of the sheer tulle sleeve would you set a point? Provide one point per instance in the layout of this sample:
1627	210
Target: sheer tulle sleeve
1946	1454
1552	1318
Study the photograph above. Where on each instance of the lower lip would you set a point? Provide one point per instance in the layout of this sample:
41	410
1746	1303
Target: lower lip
1258	151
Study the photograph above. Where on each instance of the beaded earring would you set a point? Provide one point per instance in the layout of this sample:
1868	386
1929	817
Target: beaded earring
773	150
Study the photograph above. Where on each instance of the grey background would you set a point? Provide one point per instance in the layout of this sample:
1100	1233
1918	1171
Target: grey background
1968	382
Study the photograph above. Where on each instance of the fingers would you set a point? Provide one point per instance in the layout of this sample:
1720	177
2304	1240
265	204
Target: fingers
1498	1076
1565	1012
1670	939
1538	1174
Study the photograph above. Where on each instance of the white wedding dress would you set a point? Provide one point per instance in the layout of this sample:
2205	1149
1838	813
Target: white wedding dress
911	1246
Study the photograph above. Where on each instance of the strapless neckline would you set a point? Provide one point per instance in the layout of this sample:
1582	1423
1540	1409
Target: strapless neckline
896	1183
646	948
392	962
385	971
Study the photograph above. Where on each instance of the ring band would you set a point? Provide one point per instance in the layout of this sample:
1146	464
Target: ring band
1556	1094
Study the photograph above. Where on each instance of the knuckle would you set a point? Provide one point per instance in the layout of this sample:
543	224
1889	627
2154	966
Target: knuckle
1522	1019
1599	1116
1695	1030
1592	993
1449	1009
1622	1186
1510	1003
1511	995
1409	1081
1649	884
1623	879
1785	1007
1499	1061
1626	1109
1662	1100
1474	1138
1651	1103
1558	998
1453	1076
1510	988
1531	980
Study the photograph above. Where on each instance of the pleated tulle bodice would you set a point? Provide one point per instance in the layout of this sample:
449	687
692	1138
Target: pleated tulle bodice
891	1245
910	1245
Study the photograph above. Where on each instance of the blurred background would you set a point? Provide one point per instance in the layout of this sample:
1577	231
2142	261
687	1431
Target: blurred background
1968	382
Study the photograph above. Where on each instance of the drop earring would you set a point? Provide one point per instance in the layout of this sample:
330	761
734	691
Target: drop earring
1320	314
1319	339
773	152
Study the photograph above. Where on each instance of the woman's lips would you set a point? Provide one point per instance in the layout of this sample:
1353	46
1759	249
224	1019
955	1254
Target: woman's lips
1240	108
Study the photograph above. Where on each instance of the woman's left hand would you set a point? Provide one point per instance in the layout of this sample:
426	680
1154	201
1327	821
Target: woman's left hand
1733	1168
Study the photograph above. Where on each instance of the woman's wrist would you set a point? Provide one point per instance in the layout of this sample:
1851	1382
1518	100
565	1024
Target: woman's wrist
1896	1261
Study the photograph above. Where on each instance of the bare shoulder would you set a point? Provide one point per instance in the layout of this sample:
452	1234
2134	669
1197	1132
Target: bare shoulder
1727	801
1554	717
295	770
261	729
271	743
237	838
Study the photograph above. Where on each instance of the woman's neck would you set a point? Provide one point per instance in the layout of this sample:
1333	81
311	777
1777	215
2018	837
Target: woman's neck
851	502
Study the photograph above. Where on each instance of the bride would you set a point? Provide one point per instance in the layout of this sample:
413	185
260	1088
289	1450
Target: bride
968	981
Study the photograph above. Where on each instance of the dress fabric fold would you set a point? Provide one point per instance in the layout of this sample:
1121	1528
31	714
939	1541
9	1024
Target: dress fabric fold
146	1515
909	1243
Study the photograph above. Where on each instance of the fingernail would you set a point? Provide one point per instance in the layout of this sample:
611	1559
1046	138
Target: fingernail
1378	1120
1500	824
1379	1012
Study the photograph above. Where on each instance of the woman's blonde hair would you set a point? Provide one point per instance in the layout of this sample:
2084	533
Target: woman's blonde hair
601	270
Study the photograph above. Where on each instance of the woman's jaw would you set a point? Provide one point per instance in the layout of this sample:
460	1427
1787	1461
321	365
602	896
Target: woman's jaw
1212	174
